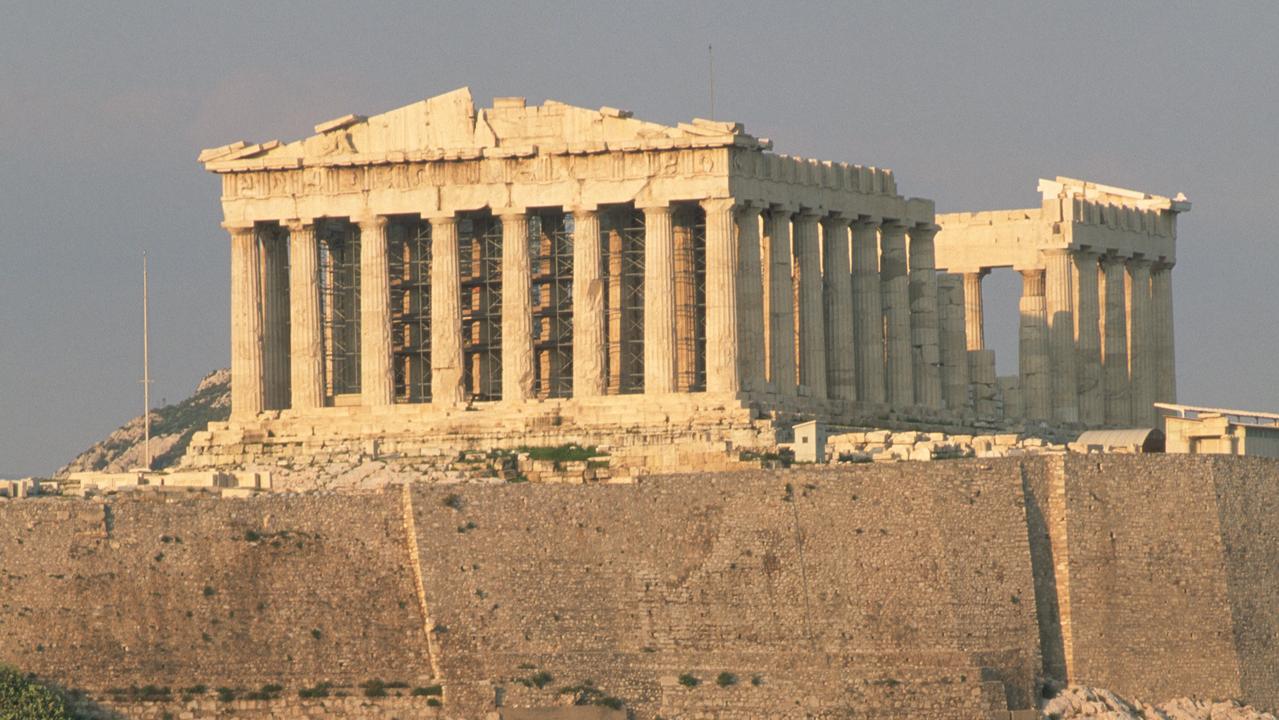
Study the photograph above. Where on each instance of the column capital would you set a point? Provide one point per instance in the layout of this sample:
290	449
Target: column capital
836	217
511	212
1086	252
893	225
775	209
717	204
442	220
1056	252
655	210
652	204
865	222
1163	266
1031	273
371	222
298	224
582	210
238	227
1140	263
924	230
806	212
979	273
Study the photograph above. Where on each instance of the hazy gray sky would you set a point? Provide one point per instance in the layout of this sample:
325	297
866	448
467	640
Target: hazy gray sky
103	107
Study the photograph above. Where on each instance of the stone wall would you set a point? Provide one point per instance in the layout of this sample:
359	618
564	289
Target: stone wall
909	589
1165	577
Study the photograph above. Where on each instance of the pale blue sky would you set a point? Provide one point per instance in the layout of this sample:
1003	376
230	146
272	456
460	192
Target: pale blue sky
103	107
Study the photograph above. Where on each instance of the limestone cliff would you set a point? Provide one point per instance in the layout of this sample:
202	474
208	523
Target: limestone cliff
1085	702
171	430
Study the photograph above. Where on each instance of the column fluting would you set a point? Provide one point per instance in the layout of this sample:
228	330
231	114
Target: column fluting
1141	351
953	345
812	322
517	309
246	324
306	349
750	291
925	343
974	310
895	286
377	377
781	303
1059	303
659	301
446	314
723	365
275	317
868	316
1092	405
841	368
1033	363
1161	309
1114	354
589	345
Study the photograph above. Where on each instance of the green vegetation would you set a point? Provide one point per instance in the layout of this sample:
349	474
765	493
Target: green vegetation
726	679
452	500
756	680
558	454
588	694
319	691
428	691
689	680
23	699
373	688
538	680
226	694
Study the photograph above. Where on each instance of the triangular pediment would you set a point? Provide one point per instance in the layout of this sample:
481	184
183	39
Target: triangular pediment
451	123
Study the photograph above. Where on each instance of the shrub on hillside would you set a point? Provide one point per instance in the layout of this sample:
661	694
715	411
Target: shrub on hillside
22	699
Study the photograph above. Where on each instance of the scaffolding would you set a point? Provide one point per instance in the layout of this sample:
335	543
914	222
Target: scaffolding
622	251
479	237
409	253
551	256
339	256
689	229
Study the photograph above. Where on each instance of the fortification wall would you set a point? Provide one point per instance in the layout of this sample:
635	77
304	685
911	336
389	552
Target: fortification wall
1164	574
916	589
847	591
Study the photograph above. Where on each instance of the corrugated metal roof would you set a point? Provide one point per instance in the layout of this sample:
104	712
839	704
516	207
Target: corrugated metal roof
1149	439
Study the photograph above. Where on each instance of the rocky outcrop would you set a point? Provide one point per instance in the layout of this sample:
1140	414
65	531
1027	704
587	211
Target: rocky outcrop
1086	702
171	429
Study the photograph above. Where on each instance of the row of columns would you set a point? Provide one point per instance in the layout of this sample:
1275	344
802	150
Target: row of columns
846	309
254	389
1095	340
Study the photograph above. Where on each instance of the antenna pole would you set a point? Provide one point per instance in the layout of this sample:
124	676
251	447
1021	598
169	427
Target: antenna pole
710	63
146	368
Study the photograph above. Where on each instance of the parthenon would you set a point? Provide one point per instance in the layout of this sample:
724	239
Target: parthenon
443	268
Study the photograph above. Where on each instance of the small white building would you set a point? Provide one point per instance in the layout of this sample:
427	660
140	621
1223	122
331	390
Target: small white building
1219	431
810	442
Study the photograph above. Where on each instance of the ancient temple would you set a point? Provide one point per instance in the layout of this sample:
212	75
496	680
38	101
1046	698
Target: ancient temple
566	273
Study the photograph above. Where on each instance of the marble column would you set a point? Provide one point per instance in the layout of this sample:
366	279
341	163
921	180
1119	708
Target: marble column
1092	405
377	377
1141	351
1059	304
723	366
306	349
589	343
895	286
517	309
1114	353
925	344
781	303
837	290
659	301
750	291
1036	388
1161	309
812	321
446	314
246	324
974	310
868	316
952	342
275	317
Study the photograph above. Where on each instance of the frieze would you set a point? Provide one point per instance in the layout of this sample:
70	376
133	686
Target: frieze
412	175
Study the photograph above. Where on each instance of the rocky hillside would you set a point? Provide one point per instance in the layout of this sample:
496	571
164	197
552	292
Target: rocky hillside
1075	703
171	430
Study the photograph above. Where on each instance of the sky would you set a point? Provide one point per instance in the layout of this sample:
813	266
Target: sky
104	107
